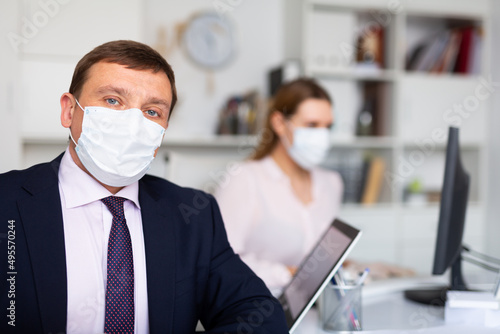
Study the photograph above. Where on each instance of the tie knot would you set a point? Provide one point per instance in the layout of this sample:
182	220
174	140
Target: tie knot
115	205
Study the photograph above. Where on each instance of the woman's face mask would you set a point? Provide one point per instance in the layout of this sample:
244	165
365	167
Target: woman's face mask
311	132
310	146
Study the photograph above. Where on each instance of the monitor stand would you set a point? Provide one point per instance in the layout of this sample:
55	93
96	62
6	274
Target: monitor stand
437	296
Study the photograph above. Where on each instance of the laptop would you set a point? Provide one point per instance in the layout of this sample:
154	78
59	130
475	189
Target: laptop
317	270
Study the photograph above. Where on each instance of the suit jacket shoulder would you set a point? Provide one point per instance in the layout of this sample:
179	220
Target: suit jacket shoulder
31	228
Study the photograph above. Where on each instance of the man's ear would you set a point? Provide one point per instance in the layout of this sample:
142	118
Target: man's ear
68	104
278	123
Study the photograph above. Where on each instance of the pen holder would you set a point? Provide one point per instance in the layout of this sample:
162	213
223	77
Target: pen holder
340	308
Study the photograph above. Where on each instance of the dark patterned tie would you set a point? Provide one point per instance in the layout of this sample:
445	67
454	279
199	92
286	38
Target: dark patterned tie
120	281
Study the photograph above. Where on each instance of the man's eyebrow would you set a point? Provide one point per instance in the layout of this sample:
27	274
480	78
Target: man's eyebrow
113	89
124	92
160	101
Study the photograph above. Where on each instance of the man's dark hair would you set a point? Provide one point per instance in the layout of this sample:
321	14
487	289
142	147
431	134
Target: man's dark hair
133	55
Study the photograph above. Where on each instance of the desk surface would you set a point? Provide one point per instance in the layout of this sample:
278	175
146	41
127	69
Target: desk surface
387	311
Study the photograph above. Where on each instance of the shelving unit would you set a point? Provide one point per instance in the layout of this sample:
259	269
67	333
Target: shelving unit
418	108
416	103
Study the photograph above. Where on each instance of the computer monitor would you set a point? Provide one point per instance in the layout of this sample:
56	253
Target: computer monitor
454	196
447	253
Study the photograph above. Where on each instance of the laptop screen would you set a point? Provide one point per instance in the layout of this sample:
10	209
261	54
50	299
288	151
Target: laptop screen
317	270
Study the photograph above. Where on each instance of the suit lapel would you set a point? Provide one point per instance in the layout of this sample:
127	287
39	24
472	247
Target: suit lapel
41	215
159	241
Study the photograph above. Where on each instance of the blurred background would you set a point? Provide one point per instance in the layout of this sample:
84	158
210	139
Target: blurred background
400	72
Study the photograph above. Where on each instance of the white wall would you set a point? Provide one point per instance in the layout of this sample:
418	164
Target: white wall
57	34
259	31
493	205
41	42
10	143
293	27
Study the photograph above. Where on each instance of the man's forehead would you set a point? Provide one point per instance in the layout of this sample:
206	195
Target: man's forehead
107	77
104	67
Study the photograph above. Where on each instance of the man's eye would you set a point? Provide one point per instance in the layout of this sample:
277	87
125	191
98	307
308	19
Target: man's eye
151	113
112	101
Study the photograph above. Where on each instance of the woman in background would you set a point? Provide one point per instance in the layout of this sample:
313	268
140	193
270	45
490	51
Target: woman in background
279	203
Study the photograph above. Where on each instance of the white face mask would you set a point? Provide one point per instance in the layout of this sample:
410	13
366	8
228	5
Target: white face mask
117	146
310	146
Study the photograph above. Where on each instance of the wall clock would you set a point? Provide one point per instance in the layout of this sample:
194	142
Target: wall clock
209	40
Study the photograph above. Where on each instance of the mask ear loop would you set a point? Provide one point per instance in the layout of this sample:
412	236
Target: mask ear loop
73	140
79	104
284	138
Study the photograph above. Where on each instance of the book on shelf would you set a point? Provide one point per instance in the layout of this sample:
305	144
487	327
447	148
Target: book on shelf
372	118
464	51
455	50
373	181
349	164
432	52
370	48
362	177
241	115
447	60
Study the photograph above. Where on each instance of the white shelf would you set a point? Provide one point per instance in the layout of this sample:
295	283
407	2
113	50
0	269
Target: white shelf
45	139
366	142
357	74
201	142
361	5
389	75
464	145
225	141
379	208
215	141
350	208
459	9
234	141
432	207
438	76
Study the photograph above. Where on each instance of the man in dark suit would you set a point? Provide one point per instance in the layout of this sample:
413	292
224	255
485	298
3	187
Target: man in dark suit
94	245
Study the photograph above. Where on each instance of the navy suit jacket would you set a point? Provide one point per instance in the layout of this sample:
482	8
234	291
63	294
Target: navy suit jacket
192	272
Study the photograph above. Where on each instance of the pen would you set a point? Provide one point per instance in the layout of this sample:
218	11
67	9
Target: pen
496	291
355	320
363	276
340	276
340	284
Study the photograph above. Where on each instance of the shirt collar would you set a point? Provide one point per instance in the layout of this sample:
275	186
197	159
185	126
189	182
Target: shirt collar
273	169
277	173
79	188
